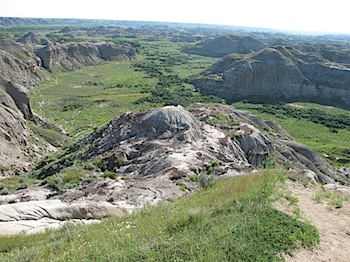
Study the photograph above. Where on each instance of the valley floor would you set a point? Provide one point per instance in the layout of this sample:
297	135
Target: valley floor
332	223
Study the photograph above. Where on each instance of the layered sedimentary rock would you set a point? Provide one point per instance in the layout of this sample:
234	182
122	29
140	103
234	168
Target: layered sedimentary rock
275	74
73	56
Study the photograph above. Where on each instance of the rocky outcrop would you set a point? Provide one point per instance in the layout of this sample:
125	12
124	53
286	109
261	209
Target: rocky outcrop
112	52
276	74
156	154
73	56
20	96
37	216
13	135
167	142
68	57
224	45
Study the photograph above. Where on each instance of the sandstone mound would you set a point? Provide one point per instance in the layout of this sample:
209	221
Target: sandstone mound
36	216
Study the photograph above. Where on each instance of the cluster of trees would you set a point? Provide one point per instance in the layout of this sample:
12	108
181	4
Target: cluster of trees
171	89
333	121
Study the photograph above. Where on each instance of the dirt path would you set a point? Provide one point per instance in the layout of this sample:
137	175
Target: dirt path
332	223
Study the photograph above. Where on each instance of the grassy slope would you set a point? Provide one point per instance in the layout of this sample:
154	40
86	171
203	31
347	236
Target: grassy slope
230	221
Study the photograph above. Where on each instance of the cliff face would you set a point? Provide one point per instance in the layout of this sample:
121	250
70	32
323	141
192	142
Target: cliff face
275	74
18	64
73	56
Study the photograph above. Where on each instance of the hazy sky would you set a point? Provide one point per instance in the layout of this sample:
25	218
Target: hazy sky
301	15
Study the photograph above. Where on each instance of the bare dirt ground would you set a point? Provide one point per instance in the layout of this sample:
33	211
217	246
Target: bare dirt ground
332	223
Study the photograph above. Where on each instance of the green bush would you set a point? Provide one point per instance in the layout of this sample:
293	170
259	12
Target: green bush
109	174
206	180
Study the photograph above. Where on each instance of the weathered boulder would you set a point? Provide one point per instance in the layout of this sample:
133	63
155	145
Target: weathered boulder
306	157
21	97
254	144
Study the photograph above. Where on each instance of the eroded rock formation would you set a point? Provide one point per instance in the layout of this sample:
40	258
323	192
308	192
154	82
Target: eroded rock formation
73	56
154	153
278	73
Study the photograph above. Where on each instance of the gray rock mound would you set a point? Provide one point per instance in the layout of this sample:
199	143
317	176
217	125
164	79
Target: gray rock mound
34	38
165	140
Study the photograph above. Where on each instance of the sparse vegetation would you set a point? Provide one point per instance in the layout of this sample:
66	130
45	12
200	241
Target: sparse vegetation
53	137
332	199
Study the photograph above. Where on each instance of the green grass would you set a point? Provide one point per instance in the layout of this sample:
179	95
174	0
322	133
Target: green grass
90	97
233	220
333	145
53	137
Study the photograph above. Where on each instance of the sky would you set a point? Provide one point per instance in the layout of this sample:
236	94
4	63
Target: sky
293	15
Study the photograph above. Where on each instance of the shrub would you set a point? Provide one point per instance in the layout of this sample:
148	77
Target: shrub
206	180
194	178
109	174
55	182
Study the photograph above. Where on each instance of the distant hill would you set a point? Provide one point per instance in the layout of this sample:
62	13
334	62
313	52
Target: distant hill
224	45
280	73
